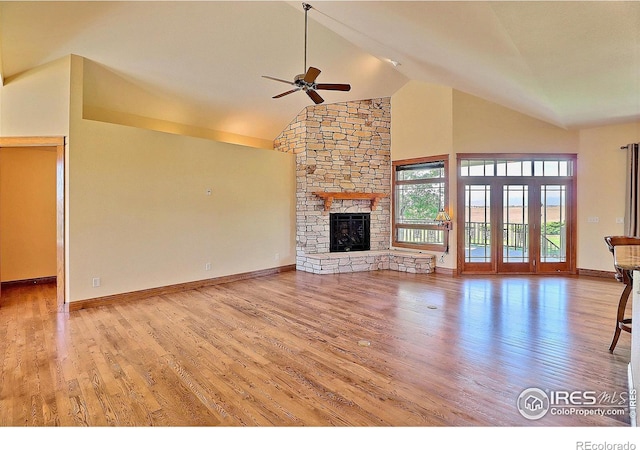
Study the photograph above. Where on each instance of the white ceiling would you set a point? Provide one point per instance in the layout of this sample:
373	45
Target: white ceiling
573	64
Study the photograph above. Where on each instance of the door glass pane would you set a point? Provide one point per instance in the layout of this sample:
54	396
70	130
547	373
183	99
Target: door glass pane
477	207
564	169
514	168
538	168
515	228
553	223
551	168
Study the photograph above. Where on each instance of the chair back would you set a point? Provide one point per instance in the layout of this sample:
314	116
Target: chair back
612	241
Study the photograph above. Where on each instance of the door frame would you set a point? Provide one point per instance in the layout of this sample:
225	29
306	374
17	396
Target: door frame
495	212
57	142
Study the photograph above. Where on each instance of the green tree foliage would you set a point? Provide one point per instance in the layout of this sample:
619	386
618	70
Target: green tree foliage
420	202
420	192
552	228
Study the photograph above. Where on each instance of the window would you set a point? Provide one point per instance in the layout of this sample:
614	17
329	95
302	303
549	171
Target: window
537	166
421	190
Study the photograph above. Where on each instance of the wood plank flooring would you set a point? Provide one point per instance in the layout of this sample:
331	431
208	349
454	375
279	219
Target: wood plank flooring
286	350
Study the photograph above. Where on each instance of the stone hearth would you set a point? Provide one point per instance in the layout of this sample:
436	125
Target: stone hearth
401	261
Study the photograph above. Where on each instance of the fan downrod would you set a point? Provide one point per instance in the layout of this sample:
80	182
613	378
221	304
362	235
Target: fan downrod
306	7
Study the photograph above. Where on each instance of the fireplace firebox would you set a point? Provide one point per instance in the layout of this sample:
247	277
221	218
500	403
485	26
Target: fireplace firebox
349	232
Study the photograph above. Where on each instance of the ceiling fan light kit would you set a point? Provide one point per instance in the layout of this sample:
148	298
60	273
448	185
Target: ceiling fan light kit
307	81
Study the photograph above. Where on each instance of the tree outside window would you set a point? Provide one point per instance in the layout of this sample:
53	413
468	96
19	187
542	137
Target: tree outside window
420	192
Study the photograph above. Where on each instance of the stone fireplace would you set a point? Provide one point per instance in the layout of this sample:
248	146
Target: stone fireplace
342	149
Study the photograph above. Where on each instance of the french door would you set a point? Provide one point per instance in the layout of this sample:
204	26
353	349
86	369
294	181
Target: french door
518	221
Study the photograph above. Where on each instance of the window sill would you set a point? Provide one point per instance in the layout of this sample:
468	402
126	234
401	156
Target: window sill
427	247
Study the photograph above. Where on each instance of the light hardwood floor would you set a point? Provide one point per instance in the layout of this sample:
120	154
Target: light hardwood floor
285	350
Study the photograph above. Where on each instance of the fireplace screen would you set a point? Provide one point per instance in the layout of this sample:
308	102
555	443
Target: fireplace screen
349	232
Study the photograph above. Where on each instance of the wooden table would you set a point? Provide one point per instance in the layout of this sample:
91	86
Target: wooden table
627	257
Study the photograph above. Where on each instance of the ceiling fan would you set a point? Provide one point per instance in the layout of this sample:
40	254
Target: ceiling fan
307	81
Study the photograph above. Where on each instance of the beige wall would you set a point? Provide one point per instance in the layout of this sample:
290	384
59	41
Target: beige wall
476	125
422	125
137	211
430	120
36	102
134	106
140	216
421	121
601	190
480	126
27	213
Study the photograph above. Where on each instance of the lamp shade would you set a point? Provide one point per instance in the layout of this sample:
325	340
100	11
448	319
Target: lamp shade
443	216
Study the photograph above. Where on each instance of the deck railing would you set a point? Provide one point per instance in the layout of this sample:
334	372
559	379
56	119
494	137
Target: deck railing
515	236
420	235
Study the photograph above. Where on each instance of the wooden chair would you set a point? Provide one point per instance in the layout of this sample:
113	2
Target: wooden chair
622	323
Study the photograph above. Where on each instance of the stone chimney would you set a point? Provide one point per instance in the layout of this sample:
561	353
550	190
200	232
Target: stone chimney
343	147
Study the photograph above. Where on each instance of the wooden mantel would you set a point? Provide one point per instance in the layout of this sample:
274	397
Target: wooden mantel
330	196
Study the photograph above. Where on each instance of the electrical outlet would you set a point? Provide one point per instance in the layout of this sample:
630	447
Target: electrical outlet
209	191
619	219
593	219
207	266
95	282
276	257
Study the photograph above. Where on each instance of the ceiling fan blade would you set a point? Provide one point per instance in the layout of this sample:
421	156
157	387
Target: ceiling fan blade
311	75
278	79
333	87
286	93
315	96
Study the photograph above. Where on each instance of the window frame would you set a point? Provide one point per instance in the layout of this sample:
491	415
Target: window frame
395	226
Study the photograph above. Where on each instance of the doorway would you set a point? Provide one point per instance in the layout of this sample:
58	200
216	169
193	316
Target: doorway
58	143
518	212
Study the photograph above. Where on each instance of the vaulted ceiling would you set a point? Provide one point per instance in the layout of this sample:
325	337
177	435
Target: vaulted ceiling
574	64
